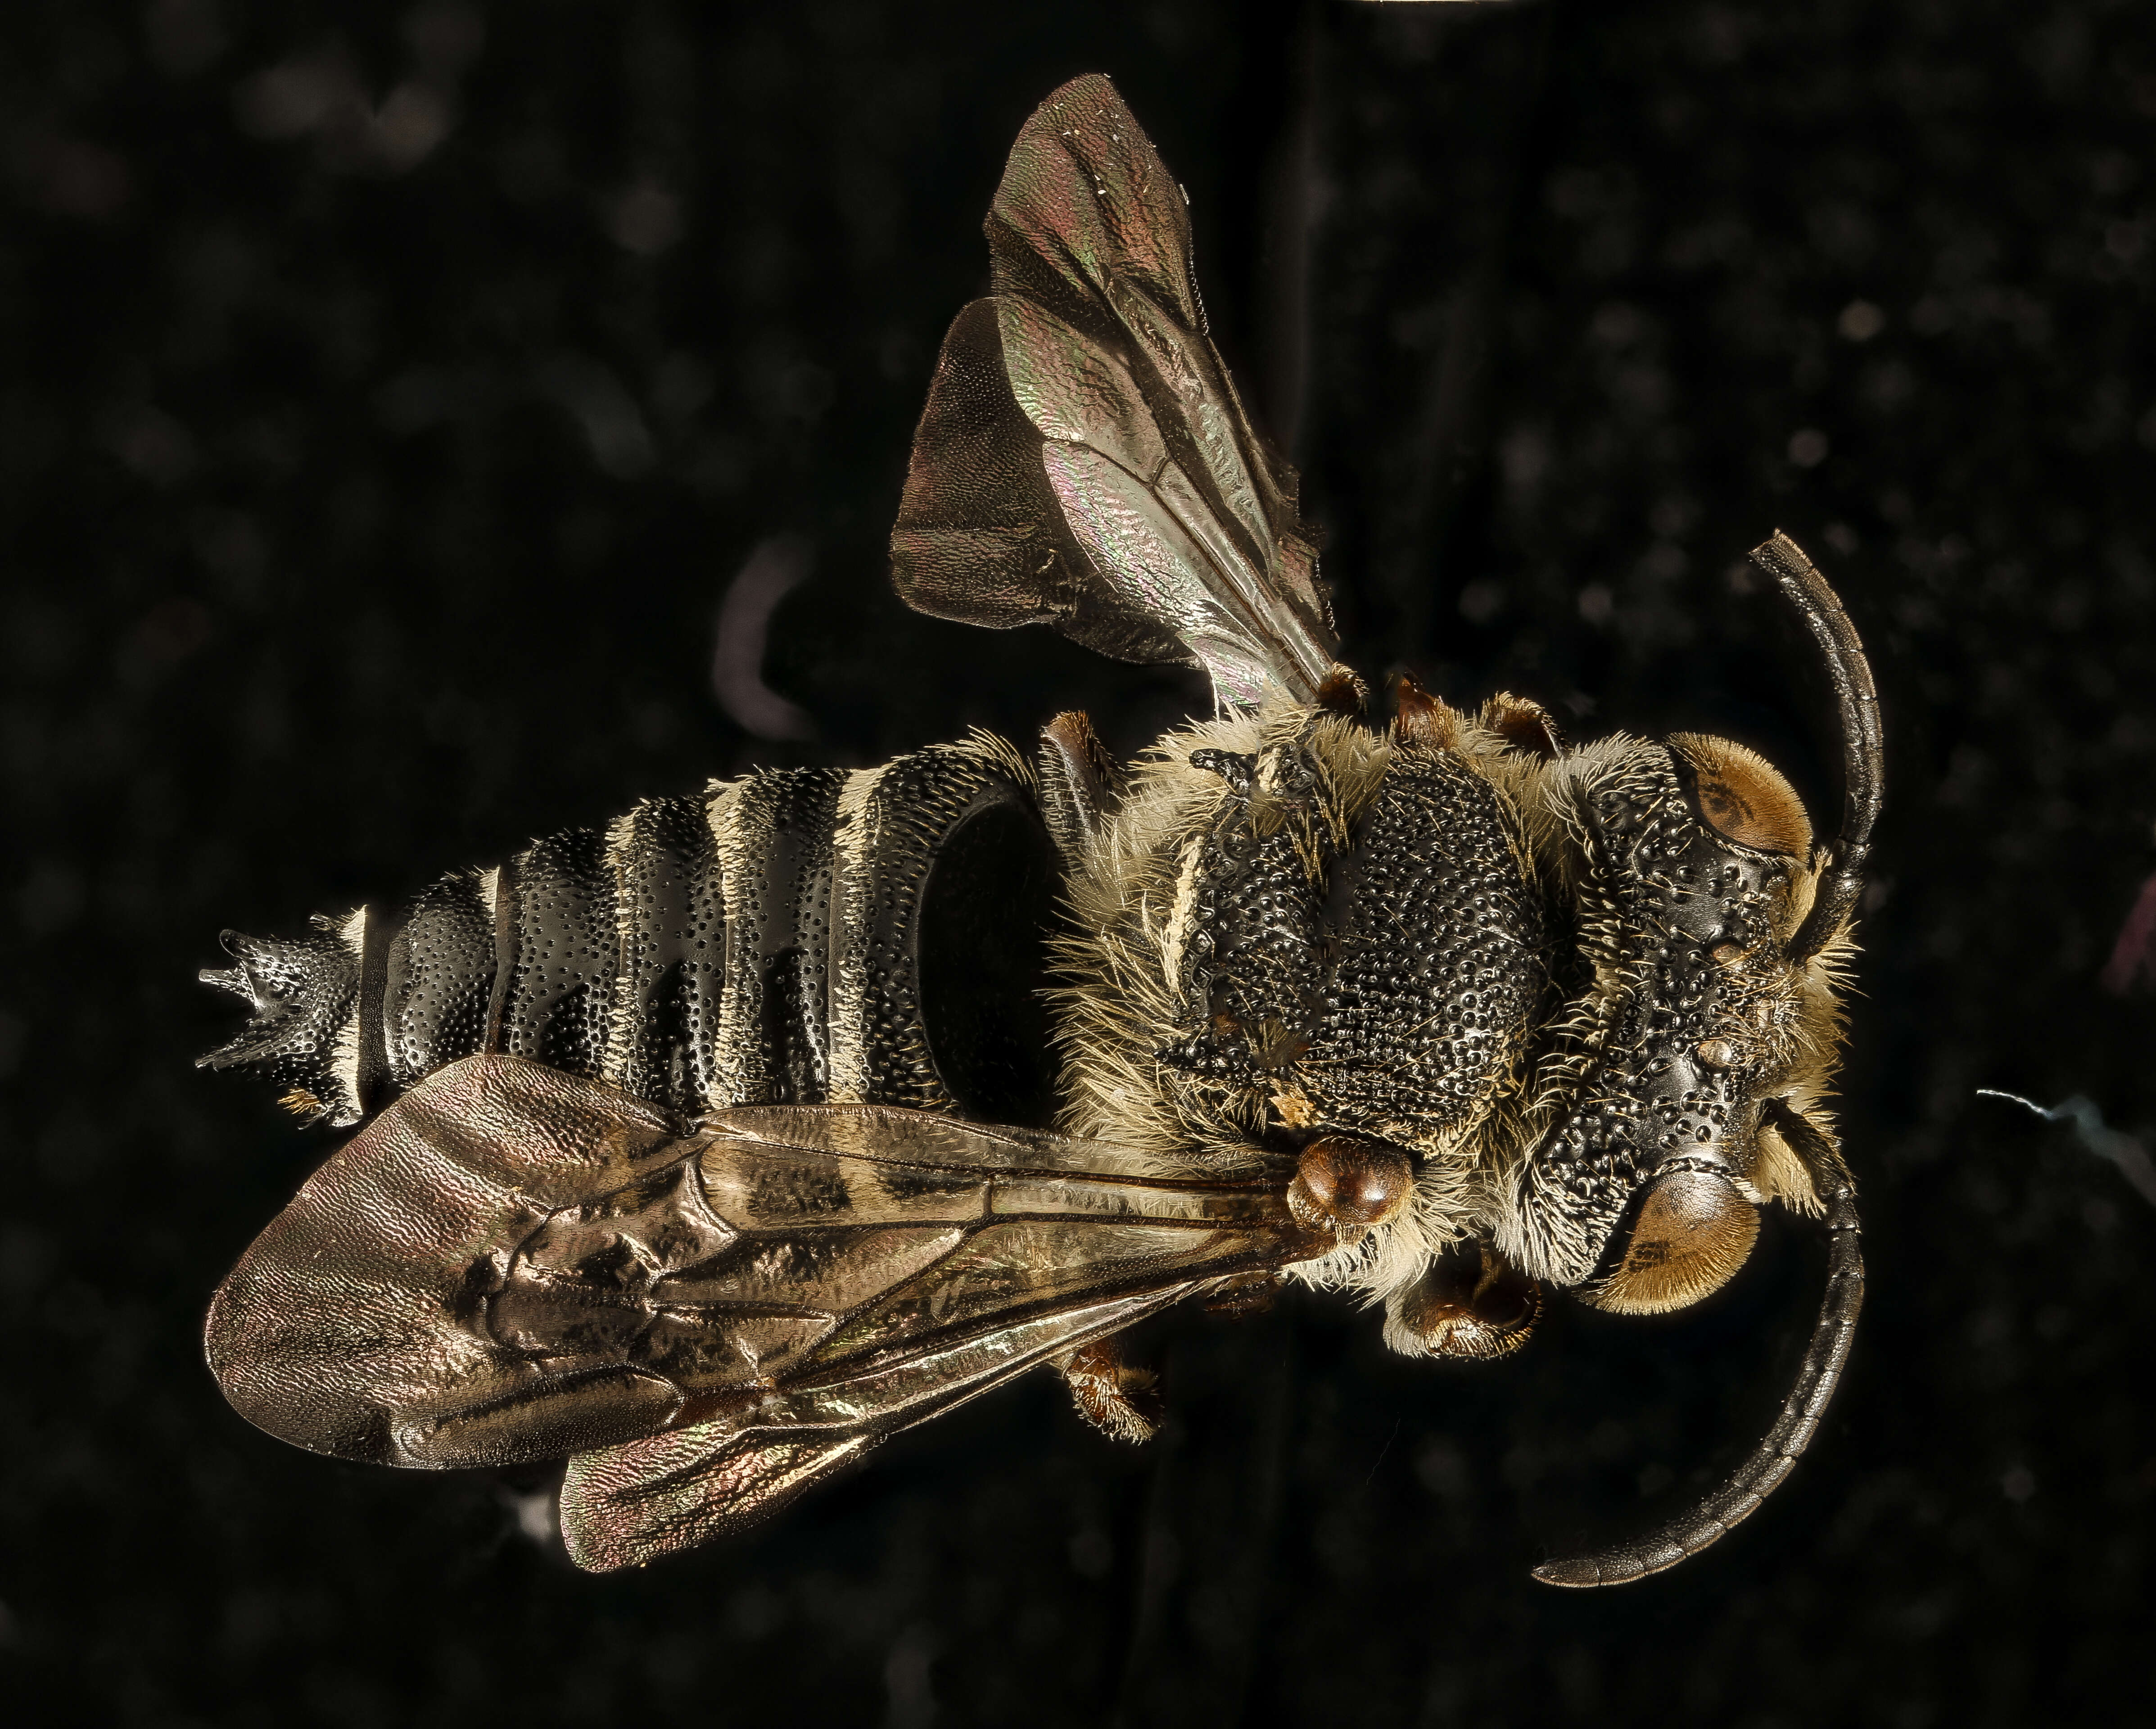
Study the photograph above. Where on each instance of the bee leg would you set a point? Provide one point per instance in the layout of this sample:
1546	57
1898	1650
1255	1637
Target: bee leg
1343	694
1422	721
1467	1304
1244	1295
1119	1399
1080	783
1524	724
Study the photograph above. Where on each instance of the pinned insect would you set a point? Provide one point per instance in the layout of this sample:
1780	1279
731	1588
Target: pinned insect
710	1150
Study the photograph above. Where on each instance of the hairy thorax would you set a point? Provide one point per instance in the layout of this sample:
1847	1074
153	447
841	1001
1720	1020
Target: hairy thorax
1297	926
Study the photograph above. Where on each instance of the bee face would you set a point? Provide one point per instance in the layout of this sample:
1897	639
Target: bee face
1687	868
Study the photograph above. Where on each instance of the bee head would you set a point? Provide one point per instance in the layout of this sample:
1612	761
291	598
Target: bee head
1688	868
1679	1090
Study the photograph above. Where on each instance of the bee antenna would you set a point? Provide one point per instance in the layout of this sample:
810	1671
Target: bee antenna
1863	744
1817	1376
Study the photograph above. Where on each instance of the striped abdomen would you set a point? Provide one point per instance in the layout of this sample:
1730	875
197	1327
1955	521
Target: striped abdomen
796	936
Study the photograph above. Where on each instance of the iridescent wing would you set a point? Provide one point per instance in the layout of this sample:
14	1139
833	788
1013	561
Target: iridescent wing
1084	460
510	1262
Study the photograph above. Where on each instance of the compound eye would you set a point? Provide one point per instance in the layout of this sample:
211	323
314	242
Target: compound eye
1743	798
1692	1232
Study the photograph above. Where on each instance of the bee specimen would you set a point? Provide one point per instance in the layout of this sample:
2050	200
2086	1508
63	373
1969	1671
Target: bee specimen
708	1150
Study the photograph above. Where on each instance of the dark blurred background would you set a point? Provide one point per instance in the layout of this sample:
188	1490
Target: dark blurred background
390	399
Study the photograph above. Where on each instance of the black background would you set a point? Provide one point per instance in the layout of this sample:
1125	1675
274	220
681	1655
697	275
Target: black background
388	399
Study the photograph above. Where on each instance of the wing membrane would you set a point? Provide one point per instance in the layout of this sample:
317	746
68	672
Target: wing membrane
511	1263
1147	553
1165	530
626	1505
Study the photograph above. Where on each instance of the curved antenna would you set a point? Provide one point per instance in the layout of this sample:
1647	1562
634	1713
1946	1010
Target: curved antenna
1863	745
1774	1457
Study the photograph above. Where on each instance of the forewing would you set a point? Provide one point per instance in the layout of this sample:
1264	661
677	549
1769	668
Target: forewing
1166	531
625	1505
353	1310
511	1264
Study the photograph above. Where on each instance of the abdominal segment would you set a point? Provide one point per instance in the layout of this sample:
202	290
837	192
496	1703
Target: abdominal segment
796	936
